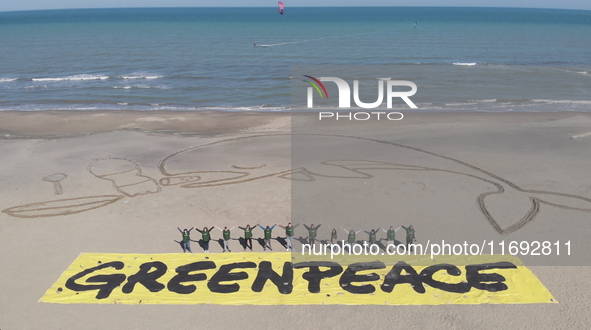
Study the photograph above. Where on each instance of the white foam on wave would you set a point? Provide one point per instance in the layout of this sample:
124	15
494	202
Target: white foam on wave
140	87
461	63
7	79
584	102
78	77
148	76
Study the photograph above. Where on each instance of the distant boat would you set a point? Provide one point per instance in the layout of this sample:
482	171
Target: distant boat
280	4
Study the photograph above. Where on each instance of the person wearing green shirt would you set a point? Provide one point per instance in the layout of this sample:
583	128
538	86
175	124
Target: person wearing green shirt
372	235
268	231
312	233
186	242
226	236
333	236
391	233
206	237
410	236
289	235
351	237
248	236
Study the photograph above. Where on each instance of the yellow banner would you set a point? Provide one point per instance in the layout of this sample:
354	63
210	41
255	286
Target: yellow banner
277	279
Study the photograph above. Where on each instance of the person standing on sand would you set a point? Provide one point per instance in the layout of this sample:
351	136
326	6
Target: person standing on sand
248	236
410	236
333	236
372	235
226	236
391	233
268	232
312	233
289	235
206	237
186	242
351	238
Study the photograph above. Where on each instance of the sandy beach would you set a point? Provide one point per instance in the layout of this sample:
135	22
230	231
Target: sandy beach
440	172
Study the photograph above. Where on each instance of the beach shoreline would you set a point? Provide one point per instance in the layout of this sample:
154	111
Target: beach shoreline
50	124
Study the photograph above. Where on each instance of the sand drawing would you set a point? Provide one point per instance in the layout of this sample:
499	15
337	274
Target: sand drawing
55	180
127	179
61	207
183	169
126	176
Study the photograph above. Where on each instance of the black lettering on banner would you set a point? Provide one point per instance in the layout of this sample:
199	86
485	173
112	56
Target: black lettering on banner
146	278
224	275
411	278
314	275
350	276
182	275
110	282
427	278
284	282
477	279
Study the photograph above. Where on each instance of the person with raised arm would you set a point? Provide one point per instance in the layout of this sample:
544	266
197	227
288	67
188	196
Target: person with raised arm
226	236
391	234
186	242
372	235
351	237
289	235
333	235
410	236
268	232
206	237
312	233
248	236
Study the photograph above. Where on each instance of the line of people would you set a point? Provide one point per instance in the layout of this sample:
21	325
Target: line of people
206	236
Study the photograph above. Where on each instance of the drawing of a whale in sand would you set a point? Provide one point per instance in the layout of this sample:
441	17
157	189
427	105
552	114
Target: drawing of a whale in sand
304	158
309	157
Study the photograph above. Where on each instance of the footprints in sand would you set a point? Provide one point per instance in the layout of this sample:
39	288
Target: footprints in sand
126	176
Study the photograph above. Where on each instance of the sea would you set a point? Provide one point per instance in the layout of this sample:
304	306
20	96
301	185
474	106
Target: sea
243	59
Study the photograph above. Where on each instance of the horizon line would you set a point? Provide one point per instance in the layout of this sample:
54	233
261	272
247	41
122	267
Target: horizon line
244	7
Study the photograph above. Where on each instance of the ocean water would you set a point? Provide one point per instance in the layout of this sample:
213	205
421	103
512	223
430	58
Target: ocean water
474	59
